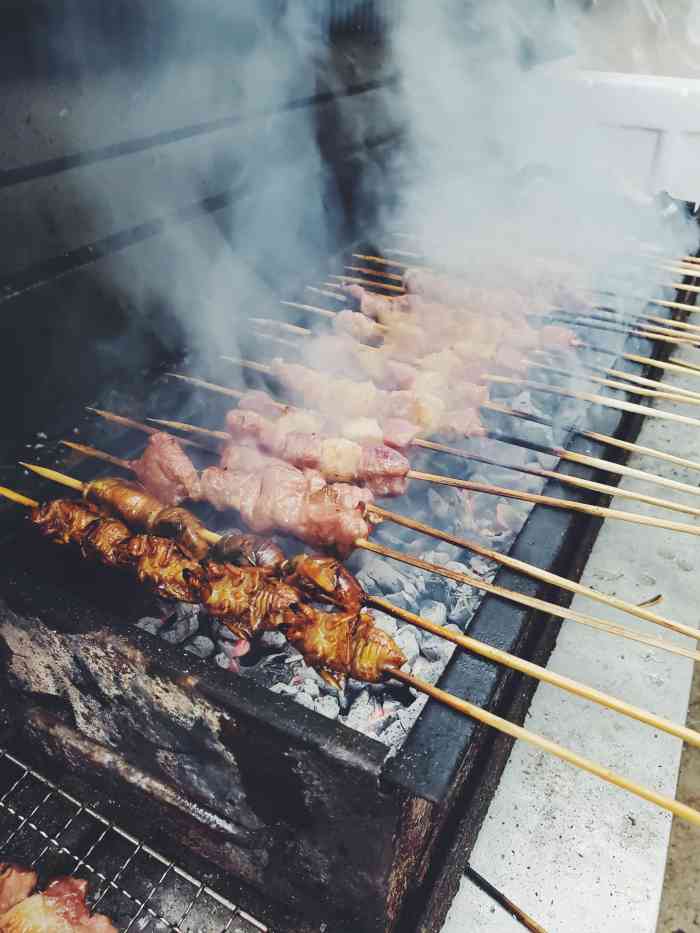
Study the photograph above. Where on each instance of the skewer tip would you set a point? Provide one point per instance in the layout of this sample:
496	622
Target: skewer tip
18	497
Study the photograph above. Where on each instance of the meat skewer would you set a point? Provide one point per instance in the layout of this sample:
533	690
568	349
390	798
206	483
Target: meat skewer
660	393
535	498
359	647
551	609
489	553
609	466
390	668
247	599
403	293
665	322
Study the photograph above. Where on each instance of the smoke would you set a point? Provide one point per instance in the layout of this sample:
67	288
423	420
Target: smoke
507	159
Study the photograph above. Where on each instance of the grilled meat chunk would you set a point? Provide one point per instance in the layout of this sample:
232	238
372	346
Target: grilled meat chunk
16	883
64	521
60	909
160	564
336	458
140	509
247	599
272	495
236	547
344	643
165	469
325	579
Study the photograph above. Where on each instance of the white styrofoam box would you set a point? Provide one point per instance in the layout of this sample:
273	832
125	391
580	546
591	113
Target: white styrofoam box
654	127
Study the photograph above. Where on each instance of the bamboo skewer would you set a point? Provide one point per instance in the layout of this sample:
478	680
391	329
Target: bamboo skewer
531	602
630	377
630	388
359	281
322	291
494	721
387	515
572	505
565	683
602	400
380	260
609	466
512	661
518	732
137	425
392	276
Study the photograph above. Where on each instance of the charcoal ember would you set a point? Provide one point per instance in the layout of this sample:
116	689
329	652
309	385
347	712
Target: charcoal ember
363	711
510	516
434	649
201	646
441	506
385	622
402	600
427	670
274	640
482	566
408	643
440	589
224	661
150	624
434	612
378	576
463	609
327	706
271	670
182	624
221	632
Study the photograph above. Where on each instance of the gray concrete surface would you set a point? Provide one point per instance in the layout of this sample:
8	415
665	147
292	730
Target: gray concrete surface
576	854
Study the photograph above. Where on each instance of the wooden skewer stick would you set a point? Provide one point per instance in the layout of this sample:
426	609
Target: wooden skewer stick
678	367
18	497
532	602
650	322
490	719
628	387
614	492
89	451
358	281
605	488
136	425
381	261
609	466
599	511
609	440
378	272
544	576
314	309
386	515
681	810
602	400
677	305
630	377
681	287
64	480
567	684
560	503
403	252
321	291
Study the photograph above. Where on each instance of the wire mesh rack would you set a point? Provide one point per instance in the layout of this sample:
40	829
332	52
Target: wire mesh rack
140	890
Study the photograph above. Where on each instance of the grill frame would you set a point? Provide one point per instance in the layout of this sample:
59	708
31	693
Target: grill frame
9	807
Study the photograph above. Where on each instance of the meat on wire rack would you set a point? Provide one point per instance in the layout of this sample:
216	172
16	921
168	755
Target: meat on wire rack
44	827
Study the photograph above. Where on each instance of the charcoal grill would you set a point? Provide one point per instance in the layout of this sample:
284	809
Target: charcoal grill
320	828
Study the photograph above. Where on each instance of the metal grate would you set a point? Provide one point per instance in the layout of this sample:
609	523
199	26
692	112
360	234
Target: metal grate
139	889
